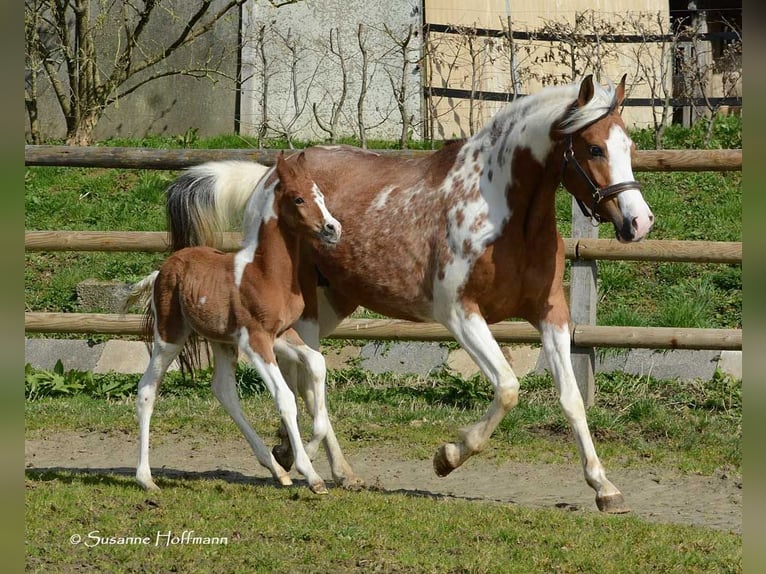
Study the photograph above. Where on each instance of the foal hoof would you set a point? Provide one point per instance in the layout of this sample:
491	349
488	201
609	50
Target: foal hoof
352	483
446	459
612	504
284	456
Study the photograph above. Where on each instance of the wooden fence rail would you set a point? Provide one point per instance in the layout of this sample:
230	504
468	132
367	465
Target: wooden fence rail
397	330
584	249
151	158
591	249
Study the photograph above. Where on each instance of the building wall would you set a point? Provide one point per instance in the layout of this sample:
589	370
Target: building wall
171	105
484	63
293	74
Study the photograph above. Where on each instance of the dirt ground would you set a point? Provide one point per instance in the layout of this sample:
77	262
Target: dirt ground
661	496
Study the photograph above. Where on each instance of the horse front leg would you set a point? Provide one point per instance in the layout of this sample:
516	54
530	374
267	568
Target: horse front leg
470	330
259	347
556	344
225	390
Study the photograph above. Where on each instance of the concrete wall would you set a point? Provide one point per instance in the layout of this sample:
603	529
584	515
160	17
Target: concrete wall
170	105
304	45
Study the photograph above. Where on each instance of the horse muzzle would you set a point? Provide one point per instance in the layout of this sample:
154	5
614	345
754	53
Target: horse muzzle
330	232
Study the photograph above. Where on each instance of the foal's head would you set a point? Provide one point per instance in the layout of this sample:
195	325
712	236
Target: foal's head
300	203
597	161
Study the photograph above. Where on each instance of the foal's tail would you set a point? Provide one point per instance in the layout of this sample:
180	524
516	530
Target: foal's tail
190	359
209	198
141	294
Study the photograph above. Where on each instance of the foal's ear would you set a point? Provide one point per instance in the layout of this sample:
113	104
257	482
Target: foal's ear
586	90
621	90
284	170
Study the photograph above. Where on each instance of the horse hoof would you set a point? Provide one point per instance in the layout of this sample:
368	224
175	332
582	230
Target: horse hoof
445	460
284	456
148	485
351	483
319	487
612	504
284	480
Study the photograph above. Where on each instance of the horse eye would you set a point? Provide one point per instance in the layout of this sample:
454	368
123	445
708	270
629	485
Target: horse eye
596	151
298	200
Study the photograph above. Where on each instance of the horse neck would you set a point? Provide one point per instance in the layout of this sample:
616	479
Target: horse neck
526	168
277	252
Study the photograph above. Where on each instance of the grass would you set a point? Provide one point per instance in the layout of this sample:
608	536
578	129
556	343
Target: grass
638	422
289	530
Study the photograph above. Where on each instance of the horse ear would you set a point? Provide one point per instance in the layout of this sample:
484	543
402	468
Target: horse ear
621	90
302	160
284	170
586	90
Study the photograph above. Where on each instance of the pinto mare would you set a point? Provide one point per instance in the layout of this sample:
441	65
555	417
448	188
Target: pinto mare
246	301
465	236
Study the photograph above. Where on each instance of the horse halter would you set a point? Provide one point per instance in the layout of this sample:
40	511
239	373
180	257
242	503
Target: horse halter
598	194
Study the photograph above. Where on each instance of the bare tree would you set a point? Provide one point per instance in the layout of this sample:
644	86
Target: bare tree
336	105
654	65
92	54
399	80
298	89
361	37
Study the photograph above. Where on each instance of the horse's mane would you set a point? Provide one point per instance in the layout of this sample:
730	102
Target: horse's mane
554	104
260	207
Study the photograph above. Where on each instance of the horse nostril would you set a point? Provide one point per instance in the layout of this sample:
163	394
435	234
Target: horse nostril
634	222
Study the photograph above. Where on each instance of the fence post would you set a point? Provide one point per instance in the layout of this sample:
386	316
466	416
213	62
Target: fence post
583	295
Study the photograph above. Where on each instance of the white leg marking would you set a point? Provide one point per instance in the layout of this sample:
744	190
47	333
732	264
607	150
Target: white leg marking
311	386
556	343
225	390
163	355
288	411
474	335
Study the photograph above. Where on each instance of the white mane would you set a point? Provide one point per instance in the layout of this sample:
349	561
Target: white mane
259	209
550	105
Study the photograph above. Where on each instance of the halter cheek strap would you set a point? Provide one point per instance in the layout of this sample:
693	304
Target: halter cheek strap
598	194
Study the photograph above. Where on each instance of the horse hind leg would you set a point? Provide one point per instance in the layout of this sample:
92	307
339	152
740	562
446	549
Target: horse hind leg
163	354
225	390
556	344
472	332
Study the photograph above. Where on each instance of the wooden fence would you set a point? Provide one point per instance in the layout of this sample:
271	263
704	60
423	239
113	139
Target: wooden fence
581	250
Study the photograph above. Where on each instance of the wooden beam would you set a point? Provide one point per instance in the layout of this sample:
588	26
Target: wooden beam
154	158
397	330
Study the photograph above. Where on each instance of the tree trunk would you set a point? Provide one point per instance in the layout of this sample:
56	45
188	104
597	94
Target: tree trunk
82	133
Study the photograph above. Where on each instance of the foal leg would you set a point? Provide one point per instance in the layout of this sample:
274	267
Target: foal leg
259	347
471	331
163	355
556	343
312	384
292	350
225	390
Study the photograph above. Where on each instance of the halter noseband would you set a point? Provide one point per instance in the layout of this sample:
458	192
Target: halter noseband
597	194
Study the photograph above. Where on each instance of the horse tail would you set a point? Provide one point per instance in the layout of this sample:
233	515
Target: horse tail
190	359
141	294
208	199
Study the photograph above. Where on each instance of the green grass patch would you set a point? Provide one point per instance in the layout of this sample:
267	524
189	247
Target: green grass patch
638	421
289	530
